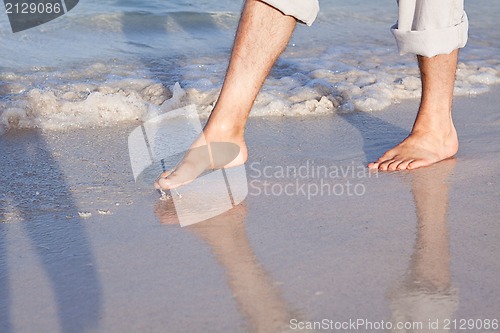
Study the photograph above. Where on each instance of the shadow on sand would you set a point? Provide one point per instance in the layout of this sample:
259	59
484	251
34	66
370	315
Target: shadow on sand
34	198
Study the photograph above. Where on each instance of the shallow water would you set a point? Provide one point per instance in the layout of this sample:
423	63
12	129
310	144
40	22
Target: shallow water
109	62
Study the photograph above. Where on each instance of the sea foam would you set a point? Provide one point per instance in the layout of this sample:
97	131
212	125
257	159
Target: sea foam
126	62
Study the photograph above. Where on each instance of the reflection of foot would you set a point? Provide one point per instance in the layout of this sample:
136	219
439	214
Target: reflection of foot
206	153
421	148
165	211
222	227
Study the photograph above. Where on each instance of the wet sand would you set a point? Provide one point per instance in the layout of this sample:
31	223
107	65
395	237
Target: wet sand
83	249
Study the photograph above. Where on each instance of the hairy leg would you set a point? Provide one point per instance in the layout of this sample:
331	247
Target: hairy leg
263	34
433	137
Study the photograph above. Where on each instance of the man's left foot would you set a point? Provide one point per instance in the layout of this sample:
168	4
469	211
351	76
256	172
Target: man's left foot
421	148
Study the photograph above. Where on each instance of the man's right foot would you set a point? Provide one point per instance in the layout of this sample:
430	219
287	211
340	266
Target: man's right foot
214	149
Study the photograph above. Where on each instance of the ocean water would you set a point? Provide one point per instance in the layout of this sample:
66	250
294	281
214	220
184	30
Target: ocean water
119	61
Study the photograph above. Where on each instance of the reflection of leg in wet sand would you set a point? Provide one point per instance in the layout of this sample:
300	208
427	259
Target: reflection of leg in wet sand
258	299
426	292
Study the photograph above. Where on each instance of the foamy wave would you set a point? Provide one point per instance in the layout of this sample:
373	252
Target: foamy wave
104	95
325	91
83	105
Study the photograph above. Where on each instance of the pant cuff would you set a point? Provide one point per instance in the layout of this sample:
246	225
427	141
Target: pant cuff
304	11
429	43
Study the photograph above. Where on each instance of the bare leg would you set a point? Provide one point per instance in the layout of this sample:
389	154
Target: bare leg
433	137
262	35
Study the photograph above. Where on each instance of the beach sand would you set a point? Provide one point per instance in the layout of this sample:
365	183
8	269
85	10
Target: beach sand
83	249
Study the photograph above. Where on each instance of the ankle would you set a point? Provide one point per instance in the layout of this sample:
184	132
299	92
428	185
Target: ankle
432	120
224	129
438	129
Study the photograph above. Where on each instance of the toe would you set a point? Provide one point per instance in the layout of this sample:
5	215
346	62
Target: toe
167	184
162	175
379	164
417	164
394	165
382	159
404	164
384	165
163	183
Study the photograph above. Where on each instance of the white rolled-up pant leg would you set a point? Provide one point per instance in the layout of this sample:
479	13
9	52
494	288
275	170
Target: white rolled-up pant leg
430	27
303	10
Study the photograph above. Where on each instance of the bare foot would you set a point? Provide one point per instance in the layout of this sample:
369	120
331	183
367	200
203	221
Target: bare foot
421	148
433	137
216	148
